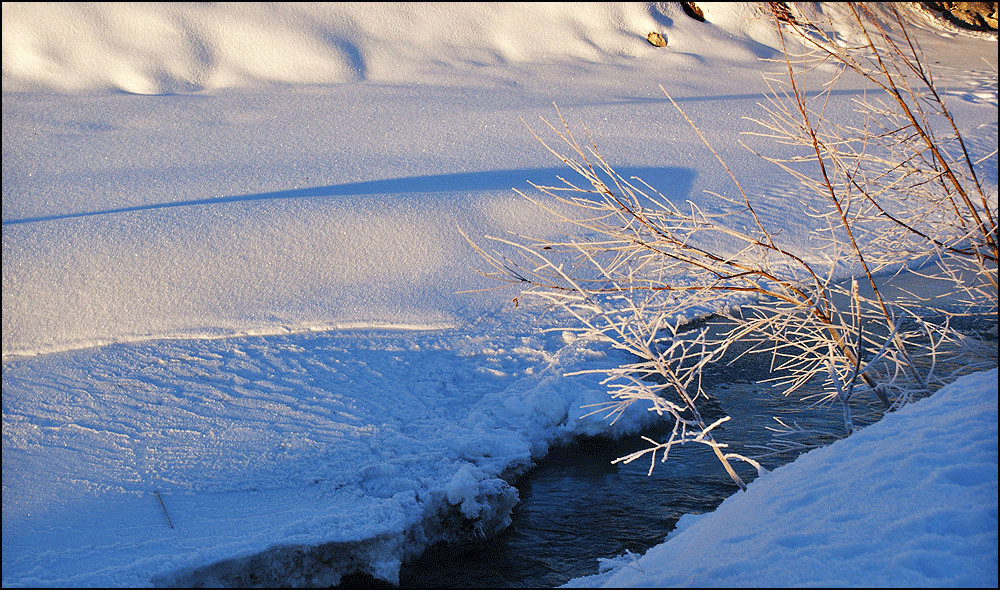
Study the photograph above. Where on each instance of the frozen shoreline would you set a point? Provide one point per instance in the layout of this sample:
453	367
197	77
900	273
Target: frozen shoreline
335	483
210	213
854	513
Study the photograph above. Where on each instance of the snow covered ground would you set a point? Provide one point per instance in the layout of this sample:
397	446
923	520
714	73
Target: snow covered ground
909	501
242	342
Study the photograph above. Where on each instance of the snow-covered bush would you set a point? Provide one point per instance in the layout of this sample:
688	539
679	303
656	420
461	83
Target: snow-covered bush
894	191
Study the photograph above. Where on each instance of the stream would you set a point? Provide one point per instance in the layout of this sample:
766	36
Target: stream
577	507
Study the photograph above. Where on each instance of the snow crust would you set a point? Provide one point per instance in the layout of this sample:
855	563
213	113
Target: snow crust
234	281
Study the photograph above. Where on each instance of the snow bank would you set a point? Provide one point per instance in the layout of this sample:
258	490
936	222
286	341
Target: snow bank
240	201
159	49
233	277
910	501
280	460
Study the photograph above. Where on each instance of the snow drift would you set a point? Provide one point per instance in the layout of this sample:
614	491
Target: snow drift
233	277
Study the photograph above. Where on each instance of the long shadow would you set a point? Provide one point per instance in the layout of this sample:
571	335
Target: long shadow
669	180
760	96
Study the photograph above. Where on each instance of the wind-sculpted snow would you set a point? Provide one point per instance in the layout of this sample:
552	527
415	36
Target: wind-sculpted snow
215	226
234	277
189	47
349	450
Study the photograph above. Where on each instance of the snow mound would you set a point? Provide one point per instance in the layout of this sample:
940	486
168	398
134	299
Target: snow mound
169	48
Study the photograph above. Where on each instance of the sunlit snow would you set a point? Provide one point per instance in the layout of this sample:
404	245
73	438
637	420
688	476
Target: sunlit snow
244	342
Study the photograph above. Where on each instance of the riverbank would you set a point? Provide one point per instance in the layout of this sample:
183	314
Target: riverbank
910	501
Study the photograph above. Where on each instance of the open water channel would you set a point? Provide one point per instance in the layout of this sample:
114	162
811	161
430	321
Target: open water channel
577	507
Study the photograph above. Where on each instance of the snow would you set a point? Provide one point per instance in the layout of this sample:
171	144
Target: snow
233	280
865	511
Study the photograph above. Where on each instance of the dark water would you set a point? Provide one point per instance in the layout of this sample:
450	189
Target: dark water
577	507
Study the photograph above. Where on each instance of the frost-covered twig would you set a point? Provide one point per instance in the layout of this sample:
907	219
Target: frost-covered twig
888	199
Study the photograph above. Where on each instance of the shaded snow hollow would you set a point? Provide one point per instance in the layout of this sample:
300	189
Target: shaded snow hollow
233	283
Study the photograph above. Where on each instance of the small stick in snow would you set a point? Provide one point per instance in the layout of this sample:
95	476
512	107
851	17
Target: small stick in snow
162	505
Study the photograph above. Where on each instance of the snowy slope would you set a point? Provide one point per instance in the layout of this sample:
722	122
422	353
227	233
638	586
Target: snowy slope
233	276
907	502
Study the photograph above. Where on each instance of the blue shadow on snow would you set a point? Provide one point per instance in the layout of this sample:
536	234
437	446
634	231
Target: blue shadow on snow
673	182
